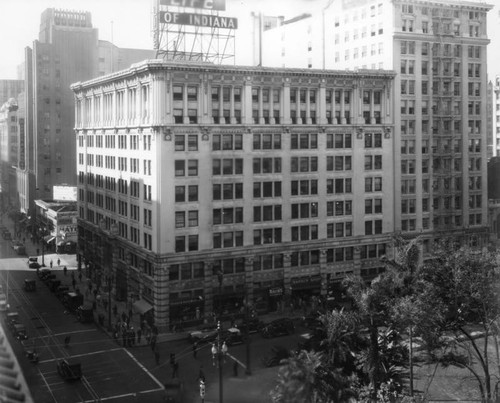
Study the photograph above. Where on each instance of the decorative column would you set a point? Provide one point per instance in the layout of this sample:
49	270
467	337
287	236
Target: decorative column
285	103
232	118
357	261
162	298
323	268
249	278
221	105
287	275
261	106
271	106
297	99
208	288
246	112
185	117
342	107
308	106
372	108
321	104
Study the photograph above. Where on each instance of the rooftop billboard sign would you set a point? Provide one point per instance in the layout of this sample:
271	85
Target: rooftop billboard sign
200	20
216	5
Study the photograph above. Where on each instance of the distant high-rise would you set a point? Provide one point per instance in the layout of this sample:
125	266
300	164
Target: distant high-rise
68	50
438	48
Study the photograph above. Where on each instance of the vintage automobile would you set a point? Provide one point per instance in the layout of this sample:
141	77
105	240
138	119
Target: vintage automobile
278	327
232	336
34	265
69	370
254	326
19	331
206	334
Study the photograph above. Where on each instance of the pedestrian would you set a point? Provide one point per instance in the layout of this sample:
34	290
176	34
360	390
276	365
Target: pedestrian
235	368
80	276
139	334
175	369
65	270
153	342
195	349
128	320
74	283
51	263
124	317
59	262
115	310
157	357
130	313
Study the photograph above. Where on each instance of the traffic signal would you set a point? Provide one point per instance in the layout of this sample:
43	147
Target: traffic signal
202	388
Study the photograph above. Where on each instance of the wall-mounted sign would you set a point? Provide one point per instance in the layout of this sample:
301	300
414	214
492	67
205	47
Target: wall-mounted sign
219	5
200	20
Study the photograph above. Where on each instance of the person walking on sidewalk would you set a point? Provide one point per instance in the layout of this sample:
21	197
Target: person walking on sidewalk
51	263
65	270
58	262
175	369
195	349
157	356
80	276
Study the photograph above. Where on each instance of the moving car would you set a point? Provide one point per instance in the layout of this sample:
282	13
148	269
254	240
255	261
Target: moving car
254	326
278	327
34	265
69	370
232	336
205	334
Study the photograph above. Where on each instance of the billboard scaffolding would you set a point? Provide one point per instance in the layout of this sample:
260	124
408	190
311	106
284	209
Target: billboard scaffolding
195	33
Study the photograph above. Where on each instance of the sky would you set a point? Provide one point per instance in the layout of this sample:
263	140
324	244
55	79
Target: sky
127	23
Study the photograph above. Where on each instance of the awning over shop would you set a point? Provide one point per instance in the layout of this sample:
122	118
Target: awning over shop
49	238
142	306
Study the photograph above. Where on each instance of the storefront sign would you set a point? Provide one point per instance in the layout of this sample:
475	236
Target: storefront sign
276	291
306	282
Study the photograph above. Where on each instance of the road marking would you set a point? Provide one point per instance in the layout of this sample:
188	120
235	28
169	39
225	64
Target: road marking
83	355
62	334
144	369
135	394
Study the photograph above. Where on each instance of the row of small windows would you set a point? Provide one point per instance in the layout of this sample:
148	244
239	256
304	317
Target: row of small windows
439	49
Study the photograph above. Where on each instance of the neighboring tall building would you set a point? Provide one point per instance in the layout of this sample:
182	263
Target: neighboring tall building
496	118
67	50
8	154
438	48
10	89
206	182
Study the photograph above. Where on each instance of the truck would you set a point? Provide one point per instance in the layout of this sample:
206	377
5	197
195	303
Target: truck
72	301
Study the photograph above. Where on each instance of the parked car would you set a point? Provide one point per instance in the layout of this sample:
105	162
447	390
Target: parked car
278	327
254	326
69	370
34	265
3	302
85	313
312	320
12	318
19	331
275	356
43	273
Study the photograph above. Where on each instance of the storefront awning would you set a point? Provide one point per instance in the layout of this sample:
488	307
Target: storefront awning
142	306
49	238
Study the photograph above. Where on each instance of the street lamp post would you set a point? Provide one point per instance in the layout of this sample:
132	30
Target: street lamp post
219	351
108	279
247	334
